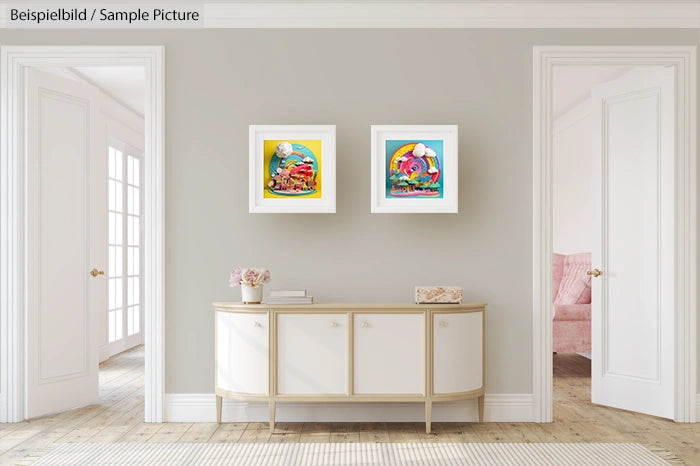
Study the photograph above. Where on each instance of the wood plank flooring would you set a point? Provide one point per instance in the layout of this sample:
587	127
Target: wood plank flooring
119	418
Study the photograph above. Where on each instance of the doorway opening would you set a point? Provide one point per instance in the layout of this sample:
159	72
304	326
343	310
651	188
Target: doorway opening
85	143
572	227
665	184
101	108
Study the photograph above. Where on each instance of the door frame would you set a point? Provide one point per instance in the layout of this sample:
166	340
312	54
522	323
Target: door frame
14	61
683	58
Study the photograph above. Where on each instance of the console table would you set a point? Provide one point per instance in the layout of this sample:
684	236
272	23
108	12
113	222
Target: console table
349	353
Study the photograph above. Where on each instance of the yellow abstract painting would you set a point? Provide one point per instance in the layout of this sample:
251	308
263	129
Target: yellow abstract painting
292	168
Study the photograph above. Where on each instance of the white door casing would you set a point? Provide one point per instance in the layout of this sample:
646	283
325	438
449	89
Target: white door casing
389	353
632	318
312	354
243	352
457	337
66	230
683	61
14	62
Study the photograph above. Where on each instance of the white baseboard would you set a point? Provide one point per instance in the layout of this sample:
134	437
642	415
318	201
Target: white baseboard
201	407
697	406
103	351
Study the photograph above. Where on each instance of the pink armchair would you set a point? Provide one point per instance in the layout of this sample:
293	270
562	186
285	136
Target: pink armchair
571	295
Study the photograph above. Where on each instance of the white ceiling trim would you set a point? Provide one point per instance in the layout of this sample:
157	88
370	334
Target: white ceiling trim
479	14
77	74
572	116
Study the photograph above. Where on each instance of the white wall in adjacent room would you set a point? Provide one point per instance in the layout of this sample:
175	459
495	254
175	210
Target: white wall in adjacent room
571	190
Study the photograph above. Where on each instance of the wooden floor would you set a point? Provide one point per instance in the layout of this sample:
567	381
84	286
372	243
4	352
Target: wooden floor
119	418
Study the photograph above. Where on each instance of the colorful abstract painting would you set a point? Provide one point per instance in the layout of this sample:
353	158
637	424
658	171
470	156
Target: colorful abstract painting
414	169
292	168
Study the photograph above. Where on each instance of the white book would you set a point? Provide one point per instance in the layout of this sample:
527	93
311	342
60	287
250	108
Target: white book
287	293
289	300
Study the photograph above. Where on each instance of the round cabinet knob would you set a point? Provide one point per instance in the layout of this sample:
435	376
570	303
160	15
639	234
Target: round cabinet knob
364	324
334	324
443	323
256	324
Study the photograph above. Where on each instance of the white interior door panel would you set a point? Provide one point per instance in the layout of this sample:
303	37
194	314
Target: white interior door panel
633	210
66	231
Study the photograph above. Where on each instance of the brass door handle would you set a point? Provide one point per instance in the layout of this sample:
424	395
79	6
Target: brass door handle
595	273
95	272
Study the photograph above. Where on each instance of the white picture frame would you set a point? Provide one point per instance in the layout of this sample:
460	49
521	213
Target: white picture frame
422	195
319	150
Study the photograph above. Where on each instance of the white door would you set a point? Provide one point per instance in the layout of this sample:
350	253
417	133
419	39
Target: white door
242	352
66	229
633	244
389	354
312	354
457	352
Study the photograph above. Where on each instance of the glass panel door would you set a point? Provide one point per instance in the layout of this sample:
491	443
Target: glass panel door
125	273
116	244
133	246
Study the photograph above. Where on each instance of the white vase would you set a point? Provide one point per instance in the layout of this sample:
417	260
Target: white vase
251	294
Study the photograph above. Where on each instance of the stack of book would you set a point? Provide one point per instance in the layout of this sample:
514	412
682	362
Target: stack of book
288	297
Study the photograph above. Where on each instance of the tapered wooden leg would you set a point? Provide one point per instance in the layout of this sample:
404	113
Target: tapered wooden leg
272	415
428	415
218	409
481	408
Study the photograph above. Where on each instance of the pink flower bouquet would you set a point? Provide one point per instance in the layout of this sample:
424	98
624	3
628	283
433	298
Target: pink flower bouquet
249	276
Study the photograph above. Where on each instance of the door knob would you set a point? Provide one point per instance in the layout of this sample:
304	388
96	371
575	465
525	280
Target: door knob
95	272
364	324
595	273
334	324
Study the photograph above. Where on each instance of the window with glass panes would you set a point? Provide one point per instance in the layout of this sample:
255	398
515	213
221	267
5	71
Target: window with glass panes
124	311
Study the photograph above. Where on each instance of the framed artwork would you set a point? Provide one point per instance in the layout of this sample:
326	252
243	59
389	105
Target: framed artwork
414	169
291	169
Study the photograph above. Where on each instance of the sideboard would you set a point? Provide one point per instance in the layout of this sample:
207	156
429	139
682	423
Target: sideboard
350	352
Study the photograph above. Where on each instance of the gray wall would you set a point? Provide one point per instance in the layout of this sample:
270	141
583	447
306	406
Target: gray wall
220	81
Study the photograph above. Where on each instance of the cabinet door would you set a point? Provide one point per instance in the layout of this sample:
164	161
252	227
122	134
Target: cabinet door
311	354
242	352
457	352
389	352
